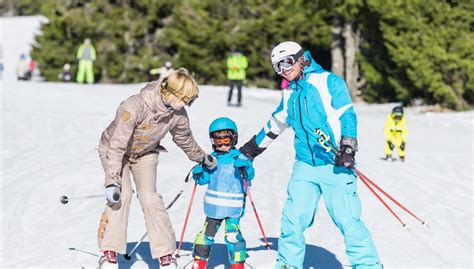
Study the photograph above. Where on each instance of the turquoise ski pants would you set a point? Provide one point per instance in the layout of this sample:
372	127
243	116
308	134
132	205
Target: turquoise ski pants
338	187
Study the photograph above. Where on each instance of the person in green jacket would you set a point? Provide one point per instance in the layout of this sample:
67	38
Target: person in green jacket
86	56
236	66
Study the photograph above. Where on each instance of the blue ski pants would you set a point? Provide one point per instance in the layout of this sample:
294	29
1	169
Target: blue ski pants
338	187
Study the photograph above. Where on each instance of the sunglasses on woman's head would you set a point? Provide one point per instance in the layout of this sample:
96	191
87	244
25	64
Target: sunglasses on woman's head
187	100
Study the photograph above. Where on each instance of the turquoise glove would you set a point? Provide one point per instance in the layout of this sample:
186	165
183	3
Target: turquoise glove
200	176
242	162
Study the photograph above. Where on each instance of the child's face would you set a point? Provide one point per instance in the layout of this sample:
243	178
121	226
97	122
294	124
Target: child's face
222	141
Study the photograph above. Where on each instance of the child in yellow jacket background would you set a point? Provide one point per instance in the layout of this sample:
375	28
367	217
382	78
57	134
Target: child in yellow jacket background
396	132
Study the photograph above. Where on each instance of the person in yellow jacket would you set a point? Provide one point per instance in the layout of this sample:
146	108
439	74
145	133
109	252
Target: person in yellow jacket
396	132
236	68
86	56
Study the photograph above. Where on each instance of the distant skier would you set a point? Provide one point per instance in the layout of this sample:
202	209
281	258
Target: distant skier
236	68
163	71
319	109
65	75
131	143
23	68
225	196
86	55
396	133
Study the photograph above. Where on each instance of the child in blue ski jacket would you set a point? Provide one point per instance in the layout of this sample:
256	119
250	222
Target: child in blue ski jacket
225	196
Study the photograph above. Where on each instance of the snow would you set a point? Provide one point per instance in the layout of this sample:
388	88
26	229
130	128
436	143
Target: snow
49	135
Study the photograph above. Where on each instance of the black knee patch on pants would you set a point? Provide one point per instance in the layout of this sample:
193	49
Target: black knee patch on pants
202	251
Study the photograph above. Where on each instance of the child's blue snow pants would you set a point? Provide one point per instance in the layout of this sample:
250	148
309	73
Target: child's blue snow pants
338	187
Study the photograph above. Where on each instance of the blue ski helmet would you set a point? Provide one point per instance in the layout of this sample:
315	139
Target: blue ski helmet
221	124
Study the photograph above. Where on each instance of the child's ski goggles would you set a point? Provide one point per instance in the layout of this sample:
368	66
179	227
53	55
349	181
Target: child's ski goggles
222	140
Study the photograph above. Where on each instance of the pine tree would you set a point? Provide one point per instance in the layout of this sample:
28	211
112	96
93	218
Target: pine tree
426	51
124	33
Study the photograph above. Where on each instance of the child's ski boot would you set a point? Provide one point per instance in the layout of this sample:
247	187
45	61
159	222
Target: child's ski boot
199	264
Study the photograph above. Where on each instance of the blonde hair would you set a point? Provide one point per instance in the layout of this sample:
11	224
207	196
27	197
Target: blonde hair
181	84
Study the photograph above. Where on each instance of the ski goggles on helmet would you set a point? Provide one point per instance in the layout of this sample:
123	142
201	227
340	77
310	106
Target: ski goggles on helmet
286	63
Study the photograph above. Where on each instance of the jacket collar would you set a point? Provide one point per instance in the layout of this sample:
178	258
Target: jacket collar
152	97
313	67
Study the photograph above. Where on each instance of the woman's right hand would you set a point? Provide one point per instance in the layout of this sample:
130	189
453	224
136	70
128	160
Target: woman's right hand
209	161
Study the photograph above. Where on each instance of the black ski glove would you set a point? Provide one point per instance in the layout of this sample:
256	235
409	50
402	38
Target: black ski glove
347	150
402	146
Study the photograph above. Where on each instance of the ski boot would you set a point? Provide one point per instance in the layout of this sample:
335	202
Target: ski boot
237	266
199	264
388	157
168	262
108	260
402	159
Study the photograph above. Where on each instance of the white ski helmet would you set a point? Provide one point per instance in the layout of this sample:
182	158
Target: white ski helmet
285	49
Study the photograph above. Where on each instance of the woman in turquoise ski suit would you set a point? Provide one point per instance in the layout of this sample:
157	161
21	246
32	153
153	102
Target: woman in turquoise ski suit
319	109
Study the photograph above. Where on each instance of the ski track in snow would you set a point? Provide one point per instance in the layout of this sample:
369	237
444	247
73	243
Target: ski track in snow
49	133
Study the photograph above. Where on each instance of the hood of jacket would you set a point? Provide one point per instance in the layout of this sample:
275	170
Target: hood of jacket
152	97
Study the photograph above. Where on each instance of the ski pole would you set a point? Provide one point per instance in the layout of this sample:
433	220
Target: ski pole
383	202
128	255
186	180
64	199
186	219
243	173
362	176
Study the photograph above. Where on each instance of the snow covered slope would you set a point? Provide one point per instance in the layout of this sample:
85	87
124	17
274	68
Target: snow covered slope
49	132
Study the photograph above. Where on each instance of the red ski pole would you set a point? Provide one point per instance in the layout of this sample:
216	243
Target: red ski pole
186	219
243	173
383	202
362	176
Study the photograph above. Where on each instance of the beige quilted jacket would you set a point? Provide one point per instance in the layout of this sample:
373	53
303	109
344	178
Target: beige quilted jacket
141	122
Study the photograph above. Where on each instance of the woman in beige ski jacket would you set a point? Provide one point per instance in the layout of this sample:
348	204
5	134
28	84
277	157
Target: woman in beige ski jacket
131	143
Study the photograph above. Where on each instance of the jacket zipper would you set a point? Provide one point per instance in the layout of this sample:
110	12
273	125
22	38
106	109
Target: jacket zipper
306	106
301	122
294	109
